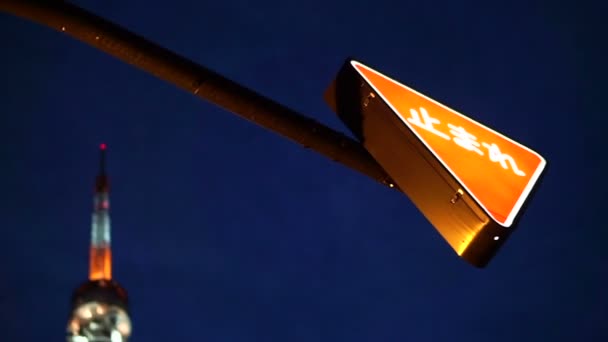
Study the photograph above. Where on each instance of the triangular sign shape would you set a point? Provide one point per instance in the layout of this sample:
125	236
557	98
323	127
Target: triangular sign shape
497	172
468	180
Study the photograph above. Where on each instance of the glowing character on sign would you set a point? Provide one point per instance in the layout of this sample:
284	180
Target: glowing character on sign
497	156
426	122
465	139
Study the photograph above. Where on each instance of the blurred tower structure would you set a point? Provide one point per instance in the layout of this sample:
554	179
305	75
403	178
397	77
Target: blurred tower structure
100	306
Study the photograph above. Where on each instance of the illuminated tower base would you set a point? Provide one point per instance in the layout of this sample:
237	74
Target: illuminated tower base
99	313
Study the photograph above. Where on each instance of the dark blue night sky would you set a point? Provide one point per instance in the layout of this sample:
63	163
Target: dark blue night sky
224	231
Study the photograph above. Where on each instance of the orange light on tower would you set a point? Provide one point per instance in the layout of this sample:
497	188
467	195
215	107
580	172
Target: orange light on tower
100	265
469	181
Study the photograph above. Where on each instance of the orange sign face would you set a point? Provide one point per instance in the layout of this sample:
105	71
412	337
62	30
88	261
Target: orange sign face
496	171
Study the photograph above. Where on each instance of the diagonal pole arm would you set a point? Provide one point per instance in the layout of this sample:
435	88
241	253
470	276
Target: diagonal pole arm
198	80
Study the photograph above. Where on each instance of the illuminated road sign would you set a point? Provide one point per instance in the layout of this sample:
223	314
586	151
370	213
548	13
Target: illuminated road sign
470	181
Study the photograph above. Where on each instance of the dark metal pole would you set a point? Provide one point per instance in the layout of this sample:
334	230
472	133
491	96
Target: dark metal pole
198	80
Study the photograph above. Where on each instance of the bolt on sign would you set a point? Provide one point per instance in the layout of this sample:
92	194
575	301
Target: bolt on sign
468	180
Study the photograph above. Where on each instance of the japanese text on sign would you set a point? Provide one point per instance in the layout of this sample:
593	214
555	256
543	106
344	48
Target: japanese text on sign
463	139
